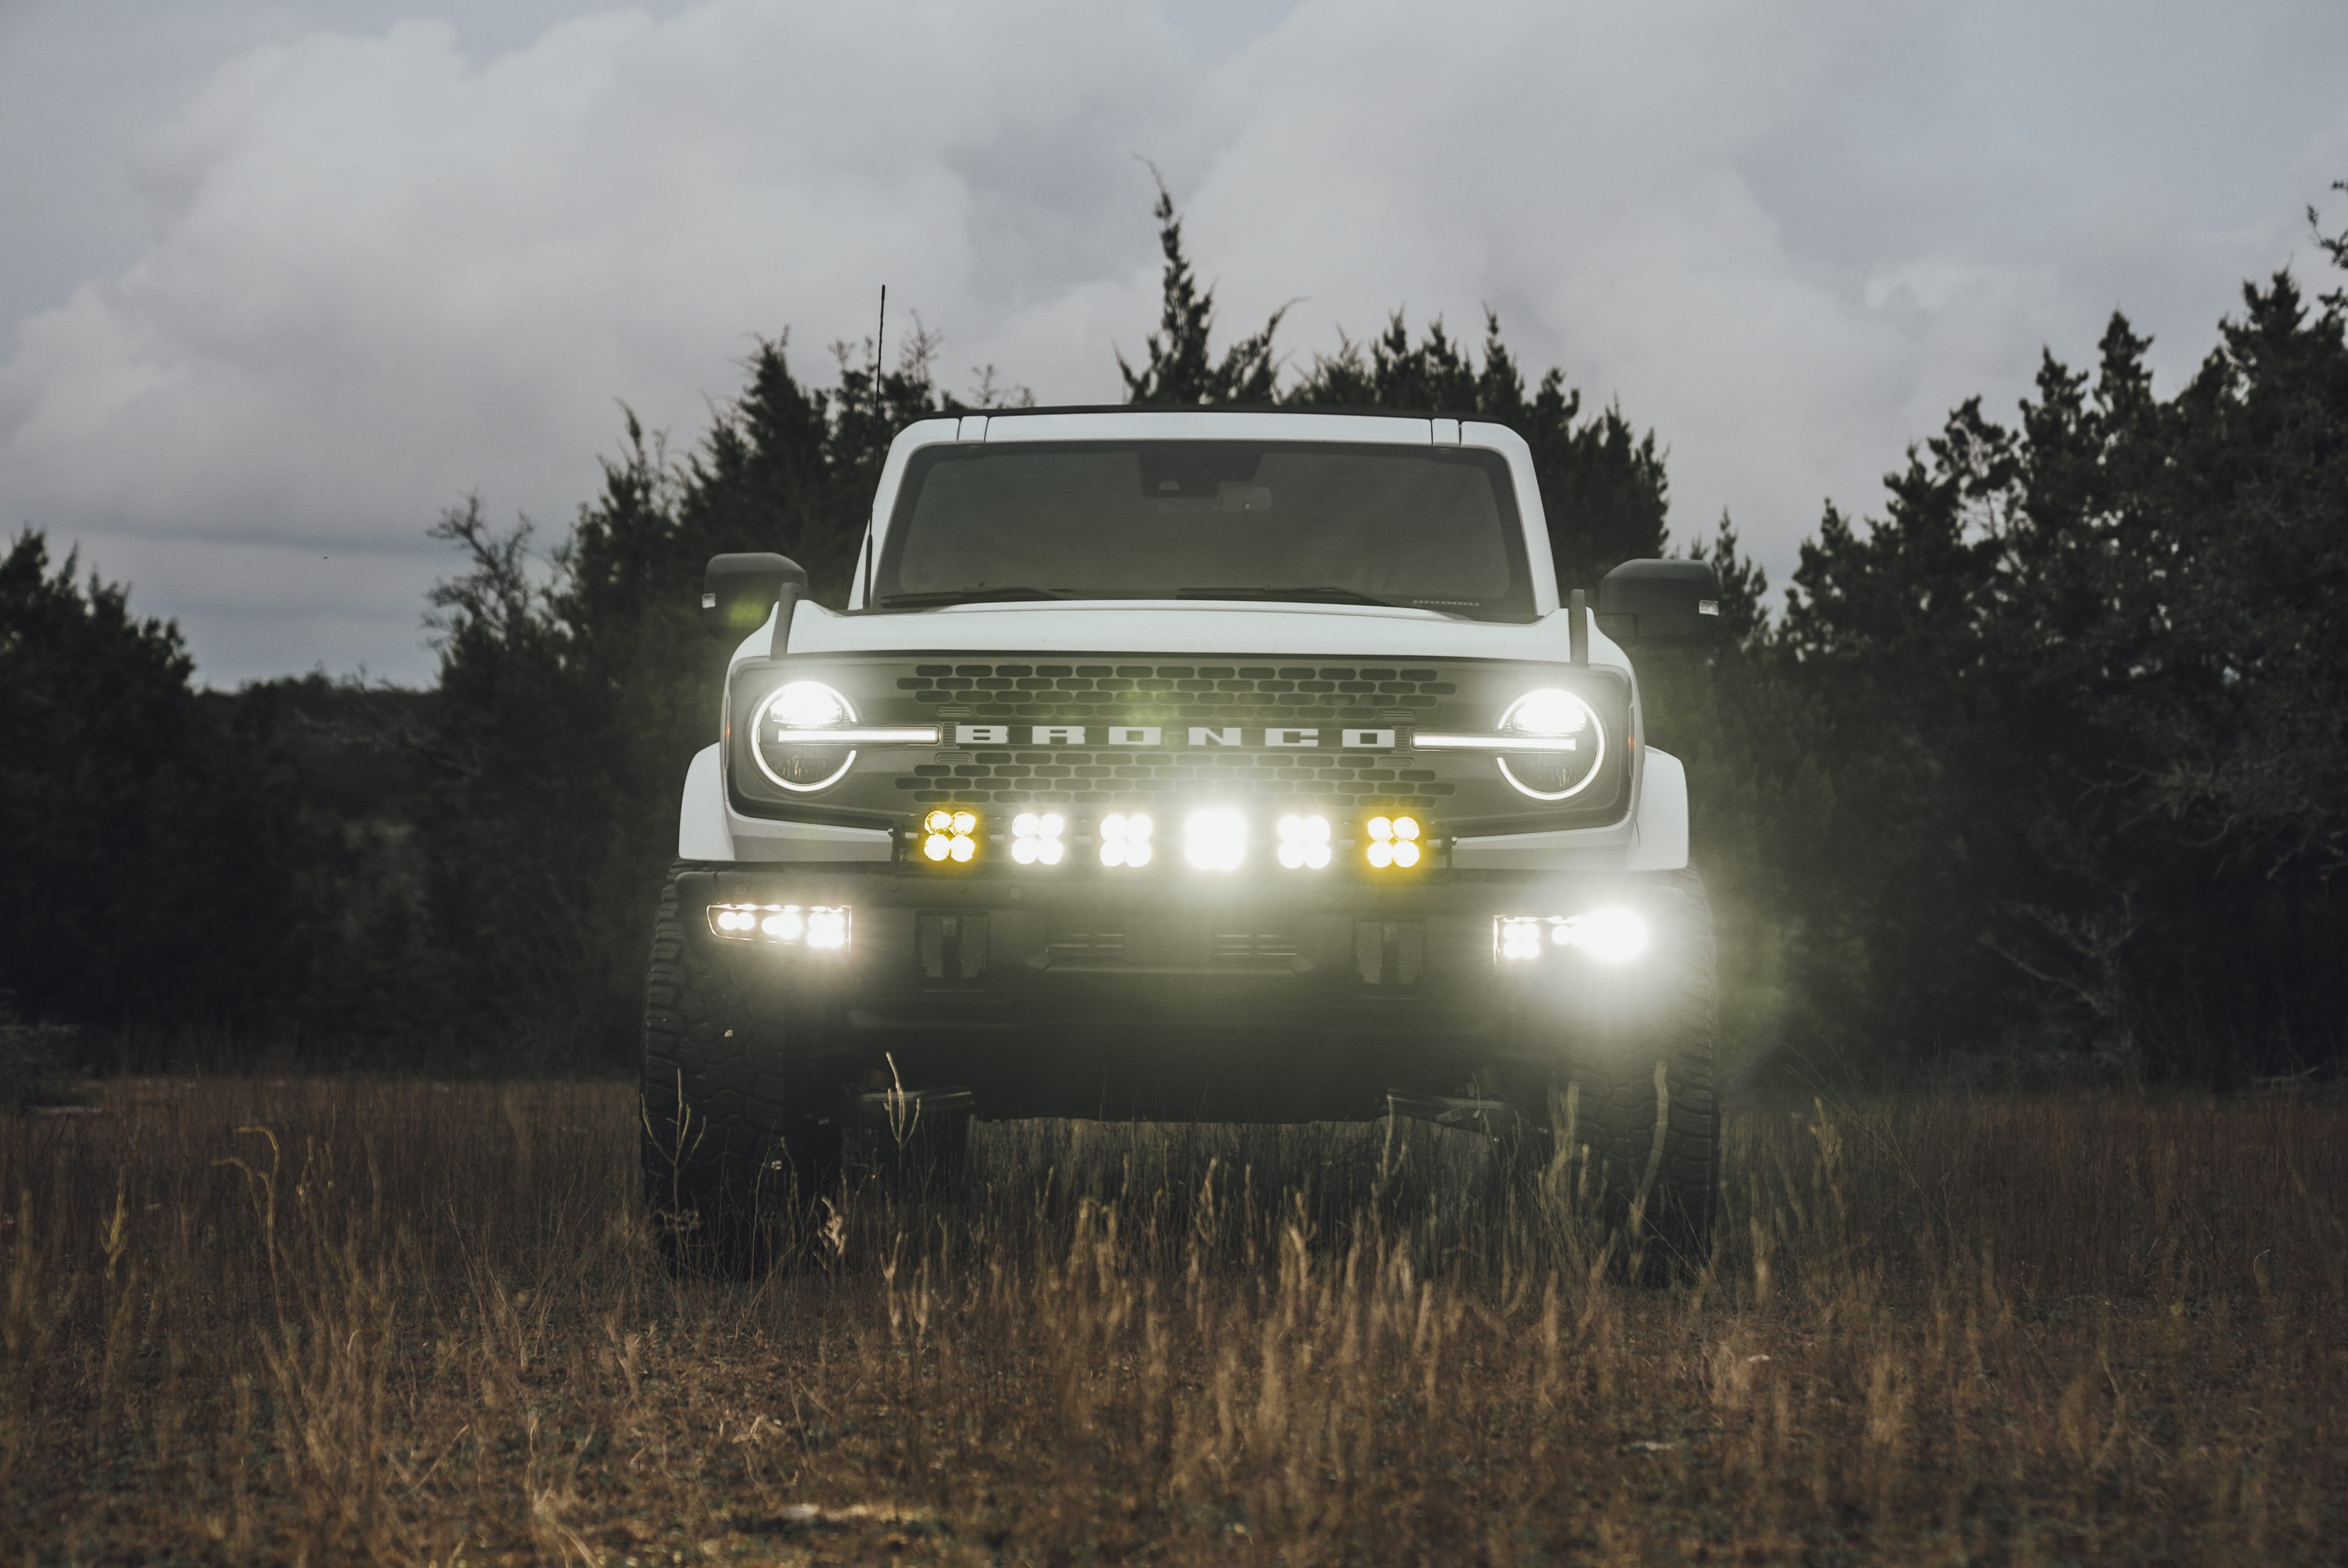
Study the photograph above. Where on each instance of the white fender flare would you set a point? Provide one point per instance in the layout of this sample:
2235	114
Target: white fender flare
701	830
1658	840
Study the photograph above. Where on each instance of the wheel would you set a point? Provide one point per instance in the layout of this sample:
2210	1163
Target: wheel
1631	1120
734	1153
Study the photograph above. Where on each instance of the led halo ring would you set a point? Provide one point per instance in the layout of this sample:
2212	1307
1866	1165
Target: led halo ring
1597	763
757	753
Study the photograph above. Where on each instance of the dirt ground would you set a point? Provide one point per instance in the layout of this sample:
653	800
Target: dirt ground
340	1321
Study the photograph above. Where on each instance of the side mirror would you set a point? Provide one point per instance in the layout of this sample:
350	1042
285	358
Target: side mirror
738	589
1660	603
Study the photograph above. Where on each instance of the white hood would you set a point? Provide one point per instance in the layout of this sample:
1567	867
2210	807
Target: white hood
1189	628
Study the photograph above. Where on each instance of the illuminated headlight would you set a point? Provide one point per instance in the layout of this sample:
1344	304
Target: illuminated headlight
791	710
1612	934
1567	744
1215	841
804	736
782	924
1391	842
950	836
1036	838
1124	839
809	705
1304	842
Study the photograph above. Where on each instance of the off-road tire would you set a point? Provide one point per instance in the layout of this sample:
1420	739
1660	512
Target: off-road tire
735	1154
1629	1128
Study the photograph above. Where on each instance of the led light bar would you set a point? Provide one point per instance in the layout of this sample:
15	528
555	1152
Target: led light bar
1391	842
1425	742
820	926
1124	839
1036	838
950	836
853	735
1215	839
1304	842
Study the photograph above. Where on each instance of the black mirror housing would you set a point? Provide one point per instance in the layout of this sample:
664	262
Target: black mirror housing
738	589
1660	604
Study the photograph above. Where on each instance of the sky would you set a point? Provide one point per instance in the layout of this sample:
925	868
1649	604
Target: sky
279	283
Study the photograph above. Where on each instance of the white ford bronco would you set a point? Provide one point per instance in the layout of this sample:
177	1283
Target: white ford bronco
1185	765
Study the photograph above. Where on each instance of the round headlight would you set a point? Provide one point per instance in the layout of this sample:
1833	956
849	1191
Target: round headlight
1573	743
794	708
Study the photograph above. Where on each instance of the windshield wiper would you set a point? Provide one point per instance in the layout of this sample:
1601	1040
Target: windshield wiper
1307	595
965	596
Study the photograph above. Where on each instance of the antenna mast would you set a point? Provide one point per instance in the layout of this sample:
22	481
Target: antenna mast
872	529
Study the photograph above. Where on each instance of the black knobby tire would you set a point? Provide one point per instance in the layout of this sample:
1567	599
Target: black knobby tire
734	1153
1637	1118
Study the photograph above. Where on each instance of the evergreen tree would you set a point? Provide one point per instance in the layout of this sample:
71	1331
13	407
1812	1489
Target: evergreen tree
1602	484
147	845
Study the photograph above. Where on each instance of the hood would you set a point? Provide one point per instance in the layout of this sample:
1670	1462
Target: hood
1186	626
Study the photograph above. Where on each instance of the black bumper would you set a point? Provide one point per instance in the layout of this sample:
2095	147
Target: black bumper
1245	998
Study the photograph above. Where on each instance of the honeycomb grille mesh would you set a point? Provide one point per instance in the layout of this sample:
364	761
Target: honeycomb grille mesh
1176	696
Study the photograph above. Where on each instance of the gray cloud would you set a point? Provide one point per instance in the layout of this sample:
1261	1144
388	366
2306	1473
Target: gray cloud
389	266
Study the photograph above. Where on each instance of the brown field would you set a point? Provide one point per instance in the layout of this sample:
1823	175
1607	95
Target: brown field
424	1323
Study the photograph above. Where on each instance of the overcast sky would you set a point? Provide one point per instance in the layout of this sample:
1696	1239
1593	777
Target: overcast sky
278	283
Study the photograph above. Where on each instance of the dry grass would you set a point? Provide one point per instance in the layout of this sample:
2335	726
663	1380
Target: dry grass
422	1323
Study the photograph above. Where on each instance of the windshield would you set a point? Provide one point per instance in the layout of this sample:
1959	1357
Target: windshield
1428	528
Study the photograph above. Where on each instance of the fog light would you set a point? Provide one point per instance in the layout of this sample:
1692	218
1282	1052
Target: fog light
1392	842
950	836
1611	935
781	924
1304	842
1124	839
1215	841
1518	939
1036	838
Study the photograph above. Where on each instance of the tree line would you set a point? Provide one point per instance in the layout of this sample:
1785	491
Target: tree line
2037	768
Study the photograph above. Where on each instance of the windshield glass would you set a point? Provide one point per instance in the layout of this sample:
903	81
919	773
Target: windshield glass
1429	528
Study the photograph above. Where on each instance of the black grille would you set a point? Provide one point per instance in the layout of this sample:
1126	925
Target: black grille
1174	696
1199	694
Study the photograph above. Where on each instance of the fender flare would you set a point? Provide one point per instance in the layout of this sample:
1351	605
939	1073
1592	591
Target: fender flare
1659	837
701	830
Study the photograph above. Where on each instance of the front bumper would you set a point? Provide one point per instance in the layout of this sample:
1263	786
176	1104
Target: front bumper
1242	998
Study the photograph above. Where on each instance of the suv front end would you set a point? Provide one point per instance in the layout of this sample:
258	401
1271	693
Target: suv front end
1203	766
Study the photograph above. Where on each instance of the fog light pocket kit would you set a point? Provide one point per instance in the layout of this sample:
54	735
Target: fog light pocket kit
822	927
1610	935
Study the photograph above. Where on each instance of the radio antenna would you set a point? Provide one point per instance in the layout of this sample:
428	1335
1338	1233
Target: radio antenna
872	529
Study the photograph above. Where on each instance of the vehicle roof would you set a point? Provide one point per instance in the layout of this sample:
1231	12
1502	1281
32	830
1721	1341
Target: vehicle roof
1379	427
1321	409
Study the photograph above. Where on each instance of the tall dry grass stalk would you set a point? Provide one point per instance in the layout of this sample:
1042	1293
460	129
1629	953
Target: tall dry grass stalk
343	1321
